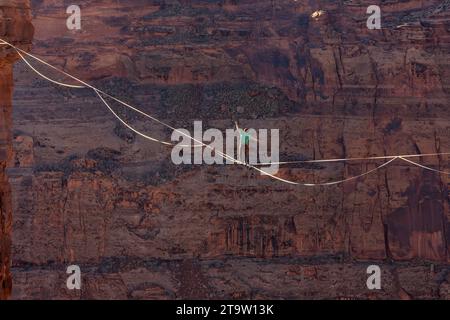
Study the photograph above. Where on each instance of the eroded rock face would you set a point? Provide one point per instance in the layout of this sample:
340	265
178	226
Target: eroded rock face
15	27
88	192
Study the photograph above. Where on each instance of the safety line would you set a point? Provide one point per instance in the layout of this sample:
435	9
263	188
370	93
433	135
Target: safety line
424	167
127	125
352	178
110	109
357	159
47	78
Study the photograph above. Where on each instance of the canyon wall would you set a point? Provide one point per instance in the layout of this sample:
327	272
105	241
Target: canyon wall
15	27
87	191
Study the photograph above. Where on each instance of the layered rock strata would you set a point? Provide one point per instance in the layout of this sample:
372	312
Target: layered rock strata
15	27
88	192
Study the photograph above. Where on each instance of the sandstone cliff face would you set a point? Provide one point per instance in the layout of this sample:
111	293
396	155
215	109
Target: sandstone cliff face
15	27
88	192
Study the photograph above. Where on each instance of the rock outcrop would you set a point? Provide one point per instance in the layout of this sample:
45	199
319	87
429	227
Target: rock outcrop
15	27
88	192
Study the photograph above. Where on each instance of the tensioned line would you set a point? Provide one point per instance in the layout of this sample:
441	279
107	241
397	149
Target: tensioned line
101	94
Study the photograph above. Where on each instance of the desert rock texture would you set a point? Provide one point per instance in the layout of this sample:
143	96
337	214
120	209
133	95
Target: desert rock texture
15	28
89	192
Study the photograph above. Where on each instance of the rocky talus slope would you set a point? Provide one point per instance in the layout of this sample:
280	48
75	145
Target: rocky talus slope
15	27
88	192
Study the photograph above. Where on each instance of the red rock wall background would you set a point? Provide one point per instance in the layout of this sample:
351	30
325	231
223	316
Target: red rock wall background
88	192
15	27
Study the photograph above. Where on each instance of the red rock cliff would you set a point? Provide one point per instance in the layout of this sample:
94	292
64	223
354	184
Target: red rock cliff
88	192
15	27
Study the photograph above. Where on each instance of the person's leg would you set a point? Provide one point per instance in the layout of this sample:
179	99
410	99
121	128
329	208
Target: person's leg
239	151
242	152
247	153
